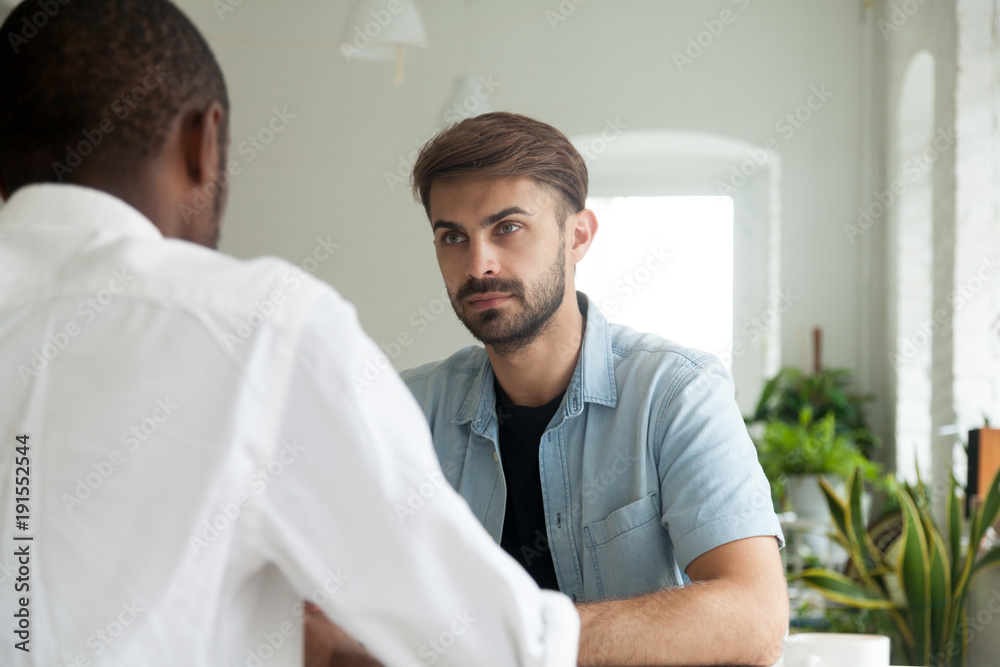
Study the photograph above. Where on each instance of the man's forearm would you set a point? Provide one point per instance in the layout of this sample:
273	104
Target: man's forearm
717	622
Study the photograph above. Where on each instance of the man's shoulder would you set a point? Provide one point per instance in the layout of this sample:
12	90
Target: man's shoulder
452	374
646	352
214	281
462	365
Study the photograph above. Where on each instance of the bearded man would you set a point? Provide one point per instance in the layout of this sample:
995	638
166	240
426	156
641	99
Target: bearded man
613	465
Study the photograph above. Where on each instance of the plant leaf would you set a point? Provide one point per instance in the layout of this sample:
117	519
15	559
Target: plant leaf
987	517
761	411
940	591
838	509
955	527
914	574
844	590
856	526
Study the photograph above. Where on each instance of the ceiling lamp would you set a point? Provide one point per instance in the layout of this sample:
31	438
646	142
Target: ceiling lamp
469	97
381	30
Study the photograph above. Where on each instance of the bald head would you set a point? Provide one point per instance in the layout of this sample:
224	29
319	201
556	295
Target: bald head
95	92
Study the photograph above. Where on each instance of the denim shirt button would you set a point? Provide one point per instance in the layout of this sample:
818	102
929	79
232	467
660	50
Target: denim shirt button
496	457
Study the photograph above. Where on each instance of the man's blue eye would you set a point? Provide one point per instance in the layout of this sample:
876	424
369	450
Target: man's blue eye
451	238
507	228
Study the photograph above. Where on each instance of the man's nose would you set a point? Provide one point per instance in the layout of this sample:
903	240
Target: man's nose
482	260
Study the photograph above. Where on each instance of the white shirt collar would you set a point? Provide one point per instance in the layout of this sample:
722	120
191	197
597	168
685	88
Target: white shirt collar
50	204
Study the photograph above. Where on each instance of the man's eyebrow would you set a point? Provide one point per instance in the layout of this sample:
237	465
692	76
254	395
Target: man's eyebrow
486	222
500	215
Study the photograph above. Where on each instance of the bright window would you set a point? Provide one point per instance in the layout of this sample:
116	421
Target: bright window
664	265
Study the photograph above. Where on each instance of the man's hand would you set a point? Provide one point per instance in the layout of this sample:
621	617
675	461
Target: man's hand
734	612
327	645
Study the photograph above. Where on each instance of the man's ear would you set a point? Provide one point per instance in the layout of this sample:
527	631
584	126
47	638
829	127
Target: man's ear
582	232
201	129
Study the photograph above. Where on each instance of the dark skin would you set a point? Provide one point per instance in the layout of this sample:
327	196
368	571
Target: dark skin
158	188
168	189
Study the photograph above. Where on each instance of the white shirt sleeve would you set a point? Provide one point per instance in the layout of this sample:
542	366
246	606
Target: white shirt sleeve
364	517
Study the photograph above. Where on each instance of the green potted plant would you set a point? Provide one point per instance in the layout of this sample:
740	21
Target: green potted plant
795	456
921	579
825	392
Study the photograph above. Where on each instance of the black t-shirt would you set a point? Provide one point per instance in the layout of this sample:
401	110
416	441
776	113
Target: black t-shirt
524	535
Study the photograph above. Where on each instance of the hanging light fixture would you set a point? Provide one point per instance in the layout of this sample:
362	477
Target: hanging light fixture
469	97
380	30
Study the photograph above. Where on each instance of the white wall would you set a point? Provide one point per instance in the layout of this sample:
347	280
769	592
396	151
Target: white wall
324	175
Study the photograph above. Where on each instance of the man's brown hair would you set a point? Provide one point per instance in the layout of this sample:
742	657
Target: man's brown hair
504	145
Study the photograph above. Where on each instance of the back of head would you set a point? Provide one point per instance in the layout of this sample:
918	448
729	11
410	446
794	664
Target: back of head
504	145
93	86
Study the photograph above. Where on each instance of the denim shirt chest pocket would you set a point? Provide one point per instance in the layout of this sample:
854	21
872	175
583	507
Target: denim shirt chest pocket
629	550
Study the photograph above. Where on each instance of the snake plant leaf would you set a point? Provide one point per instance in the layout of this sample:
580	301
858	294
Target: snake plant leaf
990	560
955	528
857	528
839	588
989	513
915	573
838	510
940	590
765	397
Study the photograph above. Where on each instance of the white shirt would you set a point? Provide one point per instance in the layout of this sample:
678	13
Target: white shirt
206	450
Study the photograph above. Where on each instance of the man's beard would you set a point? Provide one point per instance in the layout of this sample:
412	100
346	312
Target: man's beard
511	332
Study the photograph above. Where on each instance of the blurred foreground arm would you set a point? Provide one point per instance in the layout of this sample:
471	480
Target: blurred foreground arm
415	577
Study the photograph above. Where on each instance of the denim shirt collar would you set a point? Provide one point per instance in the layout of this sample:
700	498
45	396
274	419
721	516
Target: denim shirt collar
593	379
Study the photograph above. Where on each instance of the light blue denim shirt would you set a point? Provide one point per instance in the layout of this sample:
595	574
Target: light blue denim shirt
645	466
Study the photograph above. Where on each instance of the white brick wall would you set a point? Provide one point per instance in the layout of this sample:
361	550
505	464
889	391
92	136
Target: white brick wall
963	360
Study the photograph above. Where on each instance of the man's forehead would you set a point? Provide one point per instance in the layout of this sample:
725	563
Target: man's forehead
485	196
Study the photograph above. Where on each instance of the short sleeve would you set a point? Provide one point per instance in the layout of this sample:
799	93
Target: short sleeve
713	490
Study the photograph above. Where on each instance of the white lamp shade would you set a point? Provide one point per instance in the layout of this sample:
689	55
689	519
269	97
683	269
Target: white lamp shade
377	29
469	97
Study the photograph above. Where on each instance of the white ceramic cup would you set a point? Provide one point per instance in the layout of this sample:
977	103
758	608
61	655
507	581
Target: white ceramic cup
829	649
